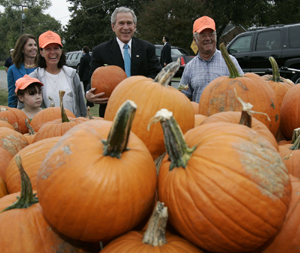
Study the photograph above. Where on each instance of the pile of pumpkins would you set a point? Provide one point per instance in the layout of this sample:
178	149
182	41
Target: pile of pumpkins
159	173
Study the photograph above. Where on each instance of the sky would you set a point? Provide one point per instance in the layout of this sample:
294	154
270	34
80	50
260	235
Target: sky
59	10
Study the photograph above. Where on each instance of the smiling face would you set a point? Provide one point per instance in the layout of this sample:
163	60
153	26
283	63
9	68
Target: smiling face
30	49
206	43
124	27
51	53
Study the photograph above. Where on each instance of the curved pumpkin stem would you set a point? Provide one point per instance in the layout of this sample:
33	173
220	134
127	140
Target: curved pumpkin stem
64	116
88	115
296	139
177	149
27	198
233	72
30	128
155	234
118	136
166	74
52	103
275	69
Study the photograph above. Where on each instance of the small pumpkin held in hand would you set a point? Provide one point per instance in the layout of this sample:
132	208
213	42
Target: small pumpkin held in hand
106	78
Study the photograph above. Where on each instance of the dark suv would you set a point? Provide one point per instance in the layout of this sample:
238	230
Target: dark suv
176	52
252	49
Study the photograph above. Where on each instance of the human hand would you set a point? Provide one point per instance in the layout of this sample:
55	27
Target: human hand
96	98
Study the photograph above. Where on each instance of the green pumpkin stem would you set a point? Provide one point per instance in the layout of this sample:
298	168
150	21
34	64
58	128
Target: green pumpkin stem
118	136
177	149
30	128
155	234
52	102
64	116
296	139
233	72
165	76
275	69
27	198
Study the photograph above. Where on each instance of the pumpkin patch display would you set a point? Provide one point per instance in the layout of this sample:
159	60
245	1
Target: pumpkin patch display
225	186
15	117
150	96
154	239
106	78
99	180
219	95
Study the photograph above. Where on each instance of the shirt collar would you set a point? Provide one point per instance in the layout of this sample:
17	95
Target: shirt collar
209	60
121	44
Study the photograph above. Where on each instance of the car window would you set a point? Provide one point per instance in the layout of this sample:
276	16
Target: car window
268	40
242	44
157	51
294	36
176	51
183	51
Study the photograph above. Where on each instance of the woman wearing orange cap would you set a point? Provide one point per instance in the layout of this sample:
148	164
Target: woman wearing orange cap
25	61
56	76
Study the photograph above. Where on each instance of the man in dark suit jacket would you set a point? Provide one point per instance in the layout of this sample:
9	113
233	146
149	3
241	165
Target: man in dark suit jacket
84	70
165	57
142	53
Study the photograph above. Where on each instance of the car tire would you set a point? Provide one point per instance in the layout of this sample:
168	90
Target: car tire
296	78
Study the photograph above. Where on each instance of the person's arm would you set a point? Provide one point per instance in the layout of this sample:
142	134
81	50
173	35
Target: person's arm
81	68
153	62
12	98
6	68
236	63
79	100
185	80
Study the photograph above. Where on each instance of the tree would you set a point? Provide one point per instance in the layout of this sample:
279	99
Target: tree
34	22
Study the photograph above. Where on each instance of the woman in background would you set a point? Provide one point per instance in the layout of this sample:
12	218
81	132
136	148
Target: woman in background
25	62
56	76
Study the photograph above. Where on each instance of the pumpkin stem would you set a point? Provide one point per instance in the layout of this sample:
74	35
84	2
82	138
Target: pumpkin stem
27	198
155	234
167	73
177	149
233	72
52	102
88	115
275	69
118	136
64	116
30	128
296	139
3	109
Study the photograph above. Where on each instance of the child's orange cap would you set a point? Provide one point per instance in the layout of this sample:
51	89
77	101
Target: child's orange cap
23	82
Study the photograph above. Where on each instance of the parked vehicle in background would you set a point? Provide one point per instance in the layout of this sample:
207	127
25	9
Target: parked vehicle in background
252	49
176	52
73	59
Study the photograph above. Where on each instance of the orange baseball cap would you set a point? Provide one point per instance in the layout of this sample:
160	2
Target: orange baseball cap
23	82
203	23
49	37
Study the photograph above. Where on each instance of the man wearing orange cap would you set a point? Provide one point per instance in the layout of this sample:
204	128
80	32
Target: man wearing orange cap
208	64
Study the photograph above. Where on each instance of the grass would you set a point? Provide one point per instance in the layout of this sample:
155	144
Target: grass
4	95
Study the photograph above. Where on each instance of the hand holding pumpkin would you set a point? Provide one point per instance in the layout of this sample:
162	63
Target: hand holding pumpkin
96	98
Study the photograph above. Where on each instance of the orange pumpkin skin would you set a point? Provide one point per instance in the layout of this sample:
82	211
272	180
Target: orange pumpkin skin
195	106
150	97
199	118
232	170
32	157
46	115
5	158
289	111
234	117
12	140
219	96
291	159
17	226
132	242
112	195
287	239
56	128
4	123
106	78
3	189
15	117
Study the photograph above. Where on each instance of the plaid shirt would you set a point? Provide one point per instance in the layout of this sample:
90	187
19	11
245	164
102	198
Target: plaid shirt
198	73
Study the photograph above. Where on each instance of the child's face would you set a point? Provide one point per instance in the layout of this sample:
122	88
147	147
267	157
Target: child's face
32	100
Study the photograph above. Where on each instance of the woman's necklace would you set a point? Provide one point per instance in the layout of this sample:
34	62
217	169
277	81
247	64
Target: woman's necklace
29	66
53	80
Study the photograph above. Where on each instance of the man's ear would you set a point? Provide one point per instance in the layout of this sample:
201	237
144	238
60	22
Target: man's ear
113	27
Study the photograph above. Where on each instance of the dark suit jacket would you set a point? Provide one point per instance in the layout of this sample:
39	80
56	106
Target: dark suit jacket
143	59
84	67
165	56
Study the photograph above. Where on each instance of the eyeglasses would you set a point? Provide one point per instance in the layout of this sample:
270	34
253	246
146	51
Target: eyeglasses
203	36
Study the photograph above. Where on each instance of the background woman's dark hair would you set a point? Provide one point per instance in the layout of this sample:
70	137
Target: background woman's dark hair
18	56
31	89
42	62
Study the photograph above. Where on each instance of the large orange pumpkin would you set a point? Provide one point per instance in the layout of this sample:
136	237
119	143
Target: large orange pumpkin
12	140
151	96
225	186
106	78
22	221
3	189
289	111
154	240
5	158
15	117
99	180
219	95
4	123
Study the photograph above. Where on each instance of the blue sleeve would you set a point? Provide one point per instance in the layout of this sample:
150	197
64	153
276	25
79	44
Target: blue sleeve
12	98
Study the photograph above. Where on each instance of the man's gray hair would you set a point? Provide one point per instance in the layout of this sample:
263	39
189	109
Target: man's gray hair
122	9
